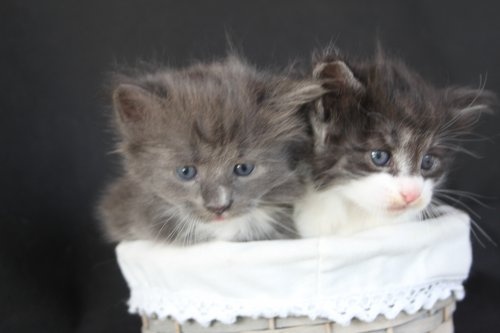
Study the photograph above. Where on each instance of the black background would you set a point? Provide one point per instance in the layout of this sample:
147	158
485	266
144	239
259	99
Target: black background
56	274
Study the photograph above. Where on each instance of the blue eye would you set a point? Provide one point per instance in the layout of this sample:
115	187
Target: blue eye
380	157
243	169
186	172
428	162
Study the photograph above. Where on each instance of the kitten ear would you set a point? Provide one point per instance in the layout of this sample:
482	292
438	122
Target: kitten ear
466	106
320	125
137	111
339	79
303	92
292	98
133	103
337	75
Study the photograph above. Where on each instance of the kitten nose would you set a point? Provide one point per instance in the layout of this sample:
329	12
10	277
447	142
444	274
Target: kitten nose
219	209
410	195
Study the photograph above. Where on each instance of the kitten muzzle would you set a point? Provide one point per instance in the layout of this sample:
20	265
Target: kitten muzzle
410	196
218	210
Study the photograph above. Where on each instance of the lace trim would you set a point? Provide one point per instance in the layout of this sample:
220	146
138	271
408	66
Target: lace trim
182	306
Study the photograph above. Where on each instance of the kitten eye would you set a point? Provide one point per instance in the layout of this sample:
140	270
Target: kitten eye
186	172
243	169
380	157
428	161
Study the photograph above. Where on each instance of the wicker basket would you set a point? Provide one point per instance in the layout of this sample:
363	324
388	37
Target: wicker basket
436	320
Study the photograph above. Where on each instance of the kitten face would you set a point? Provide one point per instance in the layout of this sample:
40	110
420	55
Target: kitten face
217	183
218	146
384	139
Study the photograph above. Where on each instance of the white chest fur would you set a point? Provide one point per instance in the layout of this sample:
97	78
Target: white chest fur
346	209
327	212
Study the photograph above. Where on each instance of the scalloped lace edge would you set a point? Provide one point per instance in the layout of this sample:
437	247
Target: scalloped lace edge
340	309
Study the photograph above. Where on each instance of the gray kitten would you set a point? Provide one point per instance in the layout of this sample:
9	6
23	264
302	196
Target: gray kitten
211	152
384	142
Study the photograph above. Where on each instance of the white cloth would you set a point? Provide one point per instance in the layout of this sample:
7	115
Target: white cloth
384	270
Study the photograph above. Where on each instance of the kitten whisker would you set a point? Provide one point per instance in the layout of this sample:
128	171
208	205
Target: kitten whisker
463	137
460	149
269	214
476	225
464	134
166	216
159	231
431	211
180	228
476	237
191	233
452	122
458	202
283	226
196	222
473	225
480	91
176	230
172	234
291	231
184	232
189	236
467	195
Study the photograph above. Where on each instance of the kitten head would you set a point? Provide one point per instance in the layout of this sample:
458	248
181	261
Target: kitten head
215	142
384	137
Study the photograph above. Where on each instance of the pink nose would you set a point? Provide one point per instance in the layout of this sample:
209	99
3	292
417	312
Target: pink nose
410	196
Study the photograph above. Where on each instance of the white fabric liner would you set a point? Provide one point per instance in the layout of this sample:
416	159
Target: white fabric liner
381	271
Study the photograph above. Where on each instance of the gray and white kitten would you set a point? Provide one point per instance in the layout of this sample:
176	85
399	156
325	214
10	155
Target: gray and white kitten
384	141
210	152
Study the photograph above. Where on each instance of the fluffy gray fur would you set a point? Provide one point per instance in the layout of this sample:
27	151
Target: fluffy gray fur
211	117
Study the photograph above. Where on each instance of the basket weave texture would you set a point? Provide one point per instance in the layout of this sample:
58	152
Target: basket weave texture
436	320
